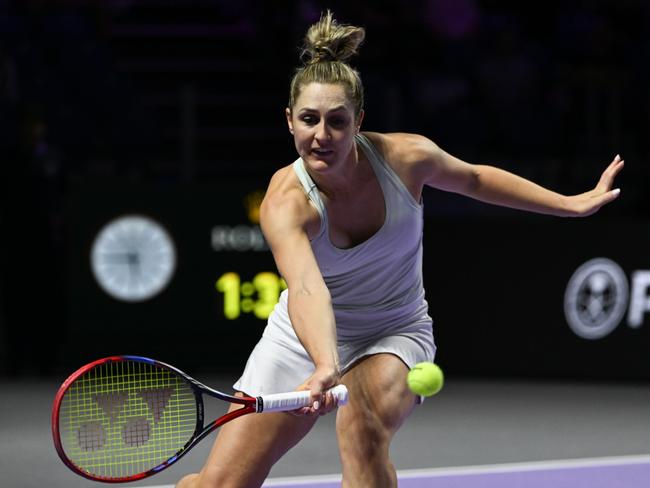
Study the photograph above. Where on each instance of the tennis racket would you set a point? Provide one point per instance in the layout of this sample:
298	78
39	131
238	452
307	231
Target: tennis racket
124	418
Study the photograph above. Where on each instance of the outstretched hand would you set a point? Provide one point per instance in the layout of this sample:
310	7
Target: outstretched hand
590	202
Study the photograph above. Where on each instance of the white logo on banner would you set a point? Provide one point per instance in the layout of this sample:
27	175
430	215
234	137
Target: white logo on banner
240	238
596	298
640	300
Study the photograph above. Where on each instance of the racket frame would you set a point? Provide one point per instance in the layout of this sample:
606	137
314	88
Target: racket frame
250	405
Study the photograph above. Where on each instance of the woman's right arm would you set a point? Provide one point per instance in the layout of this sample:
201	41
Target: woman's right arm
285	214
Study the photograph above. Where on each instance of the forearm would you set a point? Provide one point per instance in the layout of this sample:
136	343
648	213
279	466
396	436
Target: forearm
499	187
313	320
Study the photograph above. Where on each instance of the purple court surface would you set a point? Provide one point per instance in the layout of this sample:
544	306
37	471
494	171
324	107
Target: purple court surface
621	472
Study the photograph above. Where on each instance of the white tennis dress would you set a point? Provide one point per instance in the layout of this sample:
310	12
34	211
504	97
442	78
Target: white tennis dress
376	289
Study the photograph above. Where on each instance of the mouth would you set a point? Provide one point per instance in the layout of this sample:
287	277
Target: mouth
319	152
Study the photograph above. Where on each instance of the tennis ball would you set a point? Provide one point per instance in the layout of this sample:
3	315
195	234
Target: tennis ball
425	379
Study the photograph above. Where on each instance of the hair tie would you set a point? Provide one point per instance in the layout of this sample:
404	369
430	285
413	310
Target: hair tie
322	54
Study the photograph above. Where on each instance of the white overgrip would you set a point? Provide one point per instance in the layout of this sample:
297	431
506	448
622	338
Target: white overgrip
282	402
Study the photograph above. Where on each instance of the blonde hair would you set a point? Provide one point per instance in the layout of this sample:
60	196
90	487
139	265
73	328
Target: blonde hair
327	47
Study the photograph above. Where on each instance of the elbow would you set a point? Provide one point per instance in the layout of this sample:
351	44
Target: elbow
473	181
310	291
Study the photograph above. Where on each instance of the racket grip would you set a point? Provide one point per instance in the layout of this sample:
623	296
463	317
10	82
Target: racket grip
282	402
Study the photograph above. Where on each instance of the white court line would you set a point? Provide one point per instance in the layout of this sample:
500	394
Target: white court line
528	466
470	470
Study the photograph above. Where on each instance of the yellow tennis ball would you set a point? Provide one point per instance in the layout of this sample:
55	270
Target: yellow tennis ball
425	379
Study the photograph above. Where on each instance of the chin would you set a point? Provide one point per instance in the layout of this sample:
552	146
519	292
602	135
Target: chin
320	165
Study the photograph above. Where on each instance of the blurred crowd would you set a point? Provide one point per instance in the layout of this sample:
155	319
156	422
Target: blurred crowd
552	88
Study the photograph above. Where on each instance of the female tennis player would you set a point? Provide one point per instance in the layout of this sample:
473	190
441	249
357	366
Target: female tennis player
344	223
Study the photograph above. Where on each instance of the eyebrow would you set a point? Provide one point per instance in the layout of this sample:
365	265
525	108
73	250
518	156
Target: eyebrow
335	109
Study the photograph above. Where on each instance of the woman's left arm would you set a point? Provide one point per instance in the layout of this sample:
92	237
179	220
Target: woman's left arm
496	186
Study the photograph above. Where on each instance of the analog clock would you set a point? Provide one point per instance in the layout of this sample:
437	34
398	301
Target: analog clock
133	258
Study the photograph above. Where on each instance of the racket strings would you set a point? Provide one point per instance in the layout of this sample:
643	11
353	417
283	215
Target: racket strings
125	418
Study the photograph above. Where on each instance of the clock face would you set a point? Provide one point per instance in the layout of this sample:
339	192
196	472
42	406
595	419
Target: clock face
133	258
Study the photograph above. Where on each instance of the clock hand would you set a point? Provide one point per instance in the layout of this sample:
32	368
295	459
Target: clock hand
117	257
134	265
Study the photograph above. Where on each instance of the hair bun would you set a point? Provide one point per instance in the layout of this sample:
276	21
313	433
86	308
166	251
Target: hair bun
326	49
328	41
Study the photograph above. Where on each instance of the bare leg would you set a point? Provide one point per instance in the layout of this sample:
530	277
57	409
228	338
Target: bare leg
379	403
246	449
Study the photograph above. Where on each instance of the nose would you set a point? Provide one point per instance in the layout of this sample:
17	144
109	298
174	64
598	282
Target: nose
322	133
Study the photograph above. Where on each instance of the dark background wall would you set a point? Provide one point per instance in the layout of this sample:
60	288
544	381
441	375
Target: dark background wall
175	110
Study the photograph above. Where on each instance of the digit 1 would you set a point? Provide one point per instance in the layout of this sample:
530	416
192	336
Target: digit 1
228	284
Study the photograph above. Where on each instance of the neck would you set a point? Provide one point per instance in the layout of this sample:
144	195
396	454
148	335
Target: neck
342	179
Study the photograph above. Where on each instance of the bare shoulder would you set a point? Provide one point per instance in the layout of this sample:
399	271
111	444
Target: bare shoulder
412	156
403	147
285	206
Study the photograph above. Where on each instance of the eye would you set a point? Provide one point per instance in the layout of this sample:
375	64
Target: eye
338	122
309	119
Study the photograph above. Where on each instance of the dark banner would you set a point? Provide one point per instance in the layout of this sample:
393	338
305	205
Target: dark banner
184	275
543	297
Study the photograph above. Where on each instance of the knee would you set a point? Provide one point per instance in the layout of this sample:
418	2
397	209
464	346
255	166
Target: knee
364	439
364	448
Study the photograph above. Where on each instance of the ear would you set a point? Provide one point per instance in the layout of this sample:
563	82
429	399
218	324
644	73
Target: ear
359	121
287	113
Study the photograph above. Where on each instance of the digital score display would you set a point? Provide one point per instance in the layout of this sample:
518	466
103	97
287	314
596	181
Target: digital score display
256	297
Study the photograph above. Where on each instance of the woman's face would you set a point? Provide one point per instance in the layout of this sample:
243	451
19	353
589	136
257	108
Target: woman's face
323	125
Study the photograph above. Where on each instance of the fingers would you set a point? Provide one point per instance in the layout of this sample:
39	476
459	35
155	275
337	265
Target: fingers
611	195
590	202
616	165
322	379
321	402
327	403
611	171
321	405
607	178
594	203
604	199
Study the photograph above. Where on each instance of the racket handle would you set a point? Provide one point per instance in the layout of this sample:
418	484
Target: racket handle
282	402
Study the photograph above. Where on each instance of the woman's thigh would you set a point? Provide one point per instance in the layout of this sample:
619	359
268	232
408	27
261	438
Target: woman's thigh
246	448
